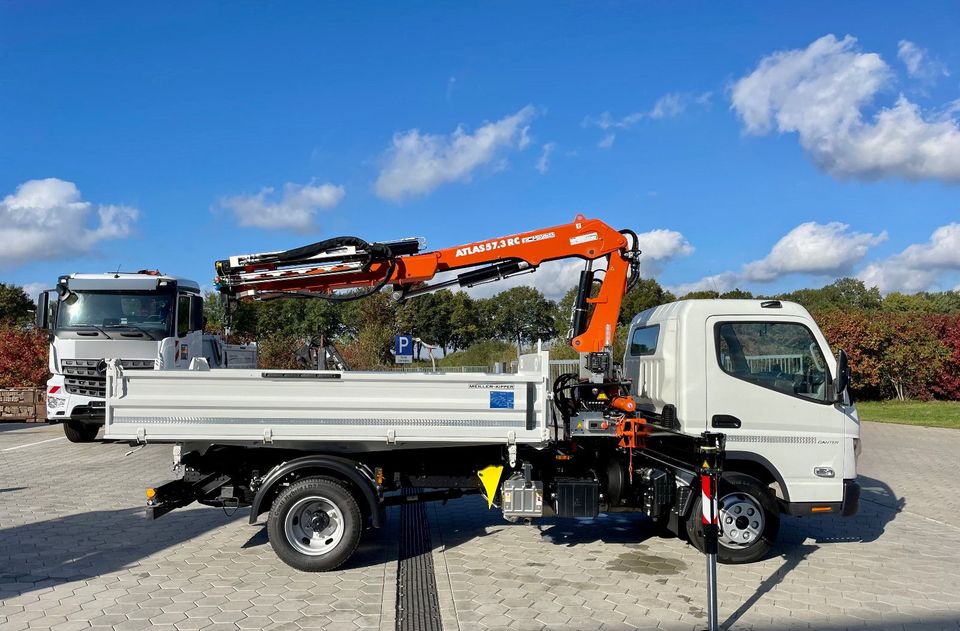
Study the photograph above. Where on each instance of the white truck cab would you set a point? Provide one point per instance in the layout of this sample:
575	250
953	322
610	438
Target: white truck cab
147	320
761	372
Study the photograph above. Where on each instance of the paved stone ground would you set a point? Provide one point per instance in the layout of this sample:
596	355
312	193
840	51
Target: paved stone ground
75	553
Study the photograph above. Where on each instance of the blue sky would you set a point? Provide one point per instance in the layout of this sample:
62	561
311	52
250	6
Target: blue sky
762	149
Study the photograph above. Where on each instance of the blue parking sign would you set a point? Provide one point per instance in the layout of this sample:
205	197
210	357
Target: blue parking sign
403	349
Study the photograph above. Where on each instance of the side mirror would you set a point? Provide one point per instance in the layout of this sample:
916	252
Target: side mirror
843	375
43	311
196	313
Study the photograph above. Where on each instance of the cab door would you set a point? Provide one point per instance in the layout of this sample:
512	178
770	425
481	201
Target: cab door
770	390
187	341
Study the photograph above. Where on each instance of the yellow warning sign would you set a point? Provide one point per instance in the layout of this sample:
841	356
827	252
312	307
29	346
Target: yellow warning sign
490	478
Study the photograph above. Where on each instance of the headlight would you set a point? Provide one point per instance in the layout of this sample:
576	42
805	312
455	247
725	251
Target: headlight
55	403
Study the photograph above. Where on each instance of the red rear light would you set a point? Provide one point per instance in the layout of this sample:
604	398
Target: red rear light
54	389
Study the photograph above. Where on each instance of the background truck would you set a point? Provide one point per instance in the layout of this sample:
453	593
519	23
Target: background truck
325	451
145	320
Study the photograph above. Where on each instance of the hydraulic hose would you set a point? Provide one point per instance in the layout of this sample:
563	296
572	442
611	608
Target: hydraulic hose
374	252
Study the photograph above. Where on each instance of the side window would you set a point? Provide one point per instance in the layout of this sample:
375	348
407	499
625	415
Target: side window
781	356
644	340
183	315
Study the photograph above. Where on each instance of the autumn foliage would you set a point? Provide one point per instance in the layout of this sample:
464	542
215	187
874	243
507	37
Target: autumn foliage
23	357
947	385
903	355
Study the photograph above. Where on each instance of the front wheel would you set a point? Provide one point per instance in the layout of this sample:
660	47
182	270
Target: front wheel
80	432
314	525
749	520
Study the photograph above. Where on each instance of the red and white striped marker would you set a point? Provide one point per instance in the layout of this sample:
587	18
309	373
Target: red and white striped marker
710	520
708	500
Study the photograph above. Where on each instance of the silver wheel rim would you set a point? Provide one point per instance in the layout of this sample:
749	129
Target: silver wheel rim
742	520
314	526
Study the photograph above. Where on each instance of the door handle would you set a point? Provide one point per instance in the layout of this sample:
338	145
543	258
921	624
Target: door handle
725	421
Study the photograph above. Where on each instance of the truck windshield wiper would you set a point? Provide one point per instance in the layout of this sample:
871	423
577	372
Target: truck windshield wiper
90	326
131	326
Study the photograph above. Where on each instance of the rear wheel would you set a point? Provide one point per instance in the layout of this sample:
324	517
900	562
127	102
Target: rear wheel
749	520
80	432
314	525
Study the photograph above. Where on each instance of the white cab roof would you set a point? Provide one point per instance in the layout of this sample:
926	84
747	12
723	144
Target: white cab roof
703	309
126	280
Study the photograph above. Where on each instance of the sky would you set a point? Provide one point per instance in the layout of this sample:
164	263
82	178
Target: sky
765	148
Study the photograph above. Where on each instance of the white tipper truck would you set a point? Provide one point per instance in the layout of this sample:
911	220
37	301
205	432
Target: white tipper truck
146	320
324	451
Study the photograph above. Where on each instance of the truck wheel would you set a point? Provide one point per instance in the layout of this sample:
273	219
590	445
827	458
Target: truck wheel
749	520
80	432
314	525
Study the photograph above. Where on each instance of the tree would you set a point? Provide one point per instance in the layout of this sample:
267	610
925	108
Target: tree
912	357
891	354
23	357
923	302
429	317
701	294
843	293
522	314
947	384
369	326
464	321
15	305
736	294
647	293
213	311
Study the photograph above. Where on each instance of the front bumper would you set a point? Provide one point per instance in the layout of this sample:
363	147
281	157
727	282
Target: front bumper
848	507
88	413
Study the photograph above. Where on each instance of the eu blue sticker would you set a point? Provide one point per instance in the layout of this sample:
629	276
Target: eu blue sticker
501	400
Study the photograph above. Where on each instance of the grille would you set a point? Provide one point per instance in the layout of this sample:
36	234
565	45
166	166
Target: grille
81	376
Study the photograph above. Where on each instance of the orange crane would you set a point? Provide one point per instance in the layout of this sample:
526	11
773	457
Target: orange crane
326	268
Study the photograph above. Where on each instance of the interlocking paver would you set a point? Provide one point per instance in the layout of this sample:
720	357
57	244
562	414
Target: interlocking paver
824	573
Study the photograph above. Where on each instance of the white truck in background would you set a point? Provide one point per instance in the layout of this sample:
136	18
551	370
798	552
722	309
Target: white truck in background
146	320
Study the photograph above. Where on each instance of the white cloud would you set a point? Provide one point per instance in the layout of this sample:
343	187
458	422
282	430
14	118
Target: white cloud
295	210
811	248
33	289
555	278
920	266
543	162
819	93
669	105
919	63
48	219
659	246
662	244
418	163
606	121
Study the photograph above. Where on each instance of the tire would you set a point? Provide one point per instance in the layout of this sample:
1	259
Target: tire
749	520
328	539
80	432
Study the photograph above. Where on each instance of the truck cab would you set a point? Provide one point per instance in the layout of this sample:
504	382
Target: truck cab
146	320
762	373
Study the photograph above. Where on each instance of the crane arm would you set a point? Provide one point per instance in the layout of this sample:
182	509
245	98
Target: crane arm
344	263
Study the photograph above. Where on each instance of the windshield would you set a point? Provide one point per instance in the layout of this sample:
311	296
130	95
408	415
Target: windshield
144	310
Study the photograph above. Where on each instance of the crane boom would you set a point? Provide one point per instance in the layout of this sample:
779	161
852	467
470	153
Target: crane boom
345	263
